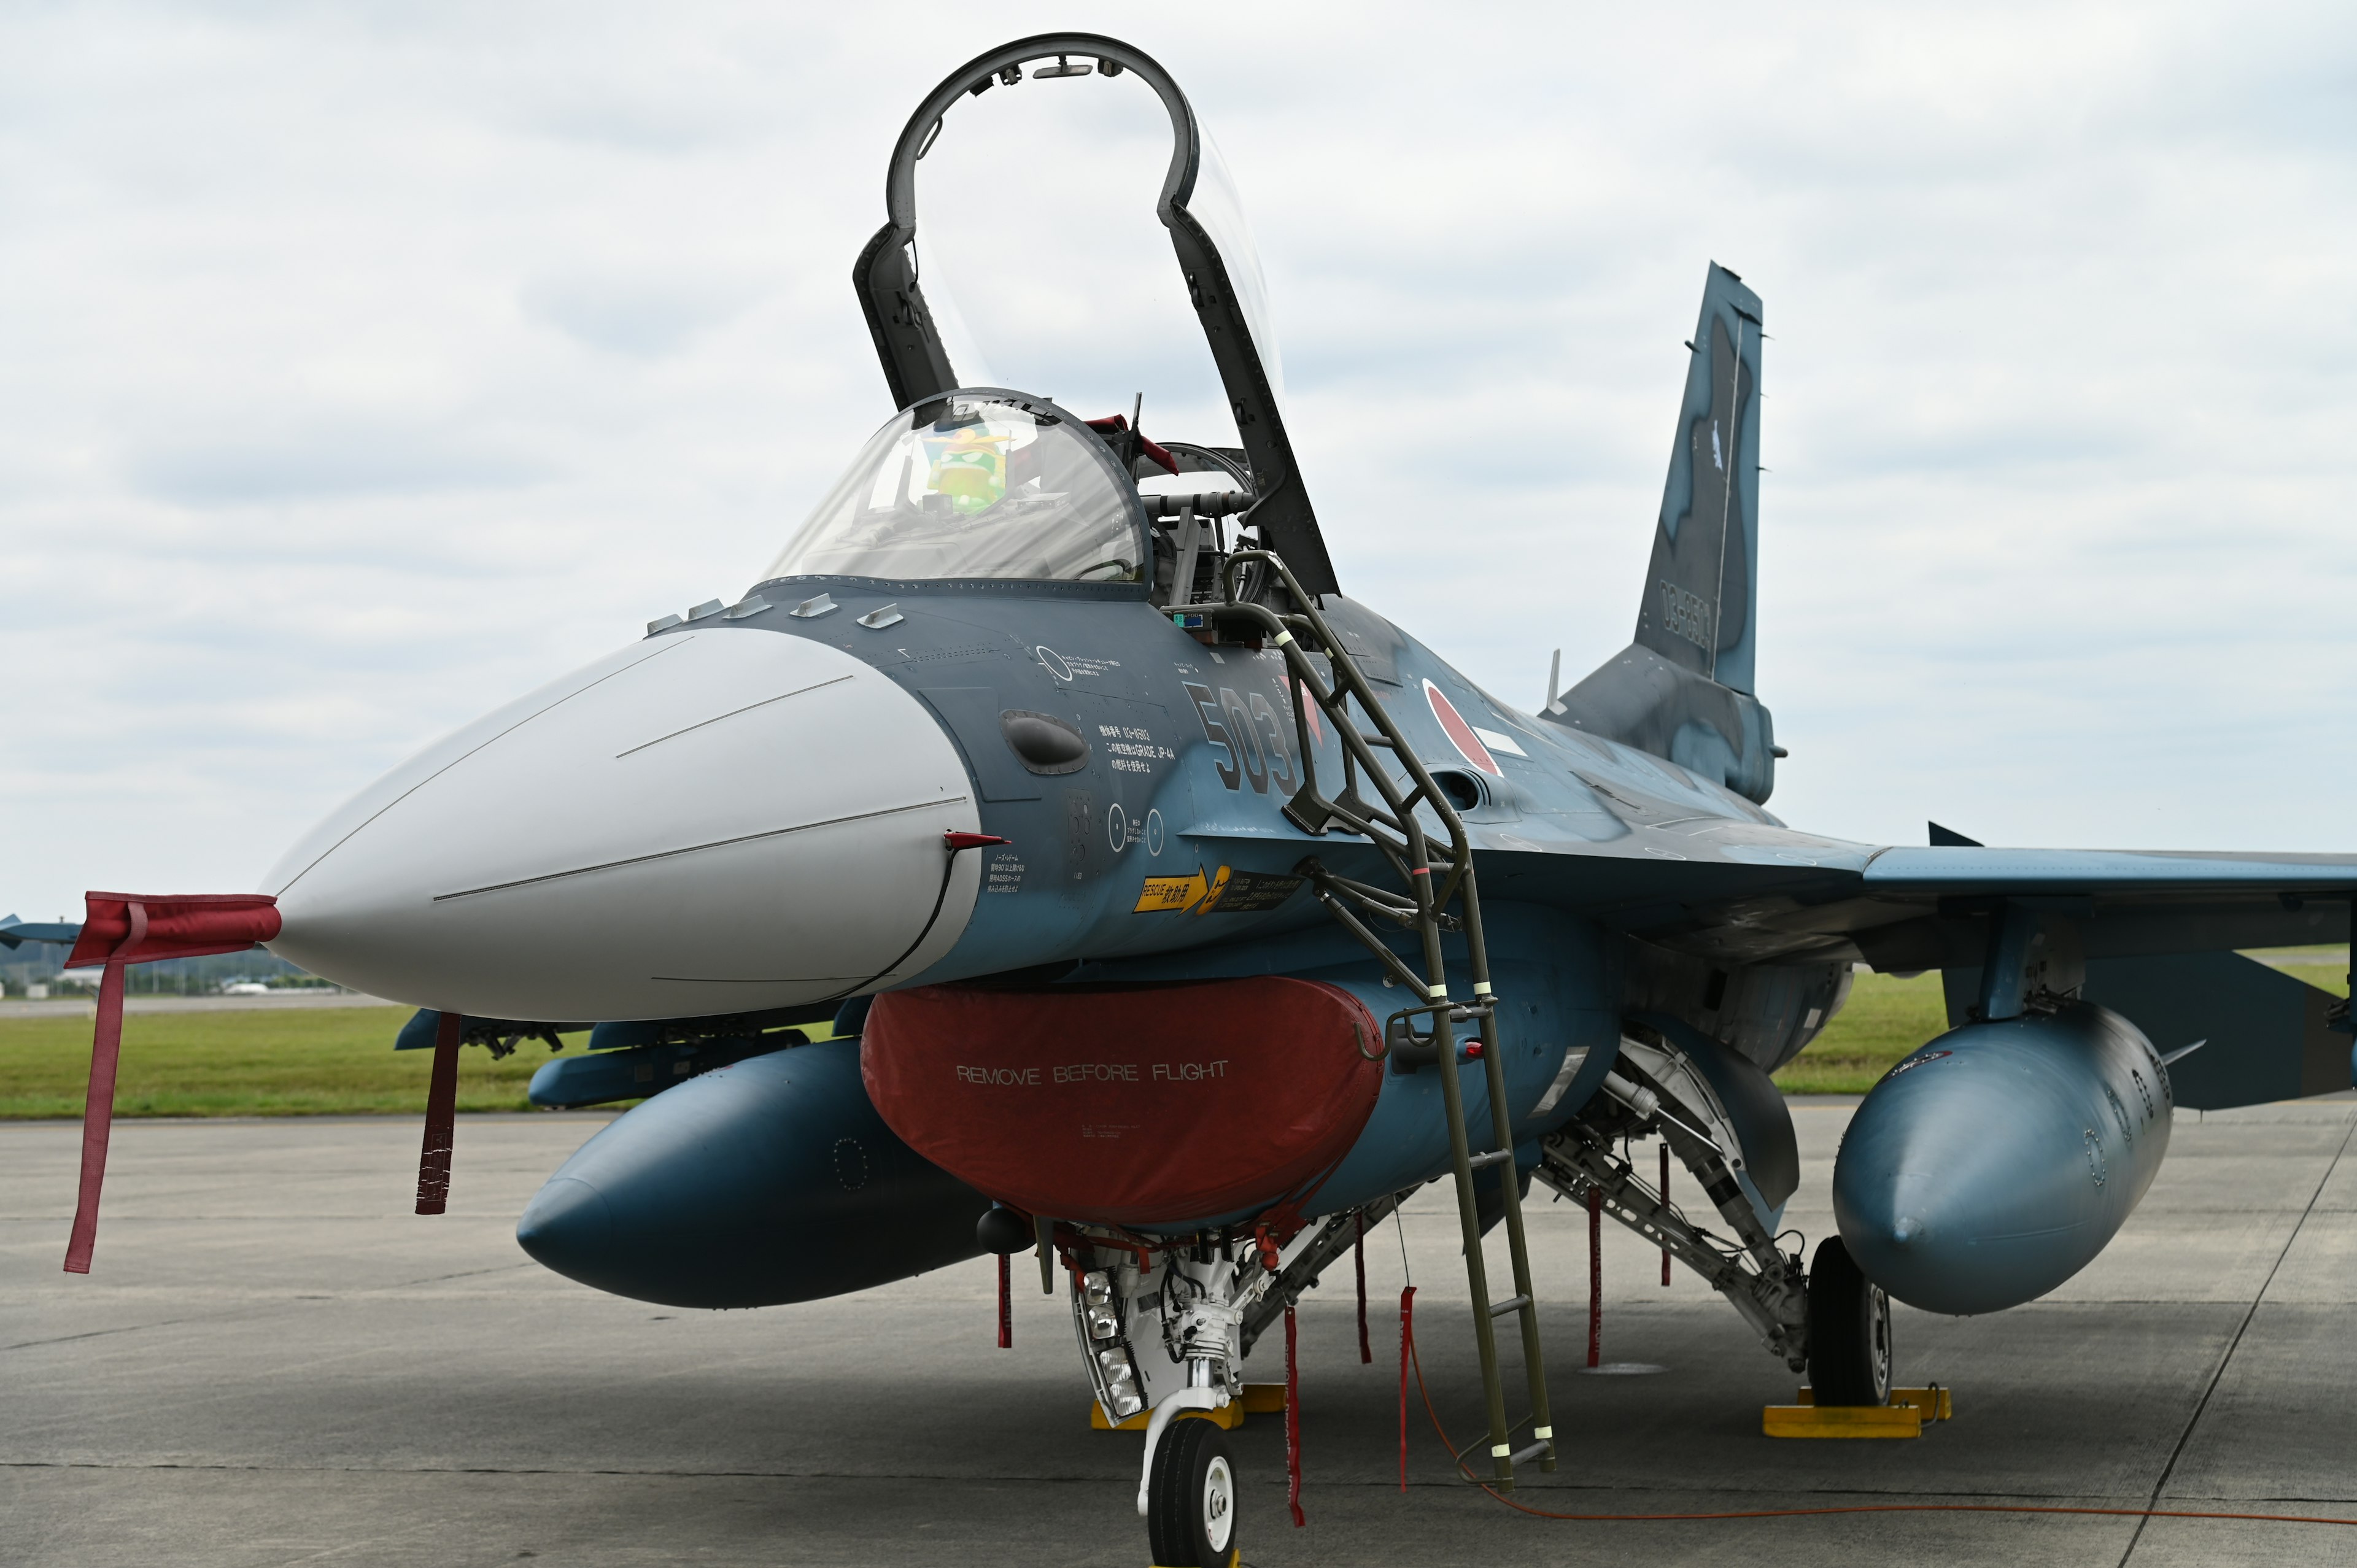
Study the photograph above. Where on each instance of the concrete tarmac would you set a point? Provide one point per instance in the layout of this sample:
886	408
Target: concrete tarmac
275	1363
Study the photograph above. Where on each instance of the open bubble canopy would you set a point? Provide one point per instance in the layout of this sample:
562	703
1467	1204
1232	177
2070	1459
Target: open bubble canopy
1014	462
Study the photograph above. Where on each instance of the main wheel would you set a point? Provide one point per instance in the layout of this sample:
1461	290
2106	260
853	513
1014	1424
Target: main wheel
1850	1331
1190	1502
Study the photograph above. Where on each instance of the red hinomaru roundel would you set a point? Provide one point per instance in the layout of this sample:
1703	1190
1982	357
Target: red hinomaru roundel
1460	733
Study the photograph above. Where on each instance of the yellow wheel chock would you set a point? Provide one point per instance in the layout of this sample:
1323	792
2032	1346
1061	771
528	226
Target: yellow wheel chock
1903	1417
1260	1399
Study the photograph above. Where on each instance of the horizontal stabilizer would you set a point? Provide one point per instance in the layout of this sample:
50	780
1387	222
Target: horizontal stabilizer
2270	1035
2232	1030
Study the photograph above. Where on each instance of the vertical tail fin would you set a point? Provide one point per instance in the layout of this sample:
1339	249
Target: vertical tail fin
1684	689
1702	593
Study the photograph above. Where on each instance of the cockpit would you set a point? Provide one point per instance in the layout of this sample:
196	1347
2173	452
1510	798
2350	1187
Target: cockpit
982	485
979	484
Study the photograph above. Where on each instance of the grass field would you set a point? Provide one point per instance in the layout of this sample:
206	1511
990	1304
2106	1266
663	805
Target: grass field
340	1061
297	1062
1887	1018
1883	1020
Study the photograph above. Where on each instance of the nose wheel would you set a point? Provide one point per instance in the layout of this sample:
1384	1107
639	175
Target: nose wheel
1190	1505
1850	1331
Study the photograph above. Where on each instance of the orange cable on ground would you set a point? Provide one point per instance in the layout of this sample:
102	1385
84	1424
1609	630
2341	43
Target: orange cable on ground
1408	1353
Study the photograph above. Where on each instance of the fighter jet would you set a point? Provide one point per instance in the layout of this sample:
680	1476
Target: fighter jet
1177	915
14	933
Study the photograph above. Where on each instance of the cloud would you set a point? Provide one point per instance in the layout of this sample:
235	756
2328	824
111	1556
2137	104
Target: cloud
327	463
366	367
643	318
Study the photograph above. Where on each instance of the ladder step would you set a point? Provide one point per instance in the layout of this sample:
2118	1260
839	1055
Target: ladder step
1437	883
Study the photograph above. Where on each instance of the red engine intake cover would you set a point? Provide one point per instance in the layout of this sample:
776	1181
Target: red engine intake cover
1153	1104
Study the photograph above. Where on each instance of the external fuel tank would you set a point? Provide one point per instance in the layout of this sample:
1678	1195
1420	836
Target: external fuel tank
1994	1163
766	1181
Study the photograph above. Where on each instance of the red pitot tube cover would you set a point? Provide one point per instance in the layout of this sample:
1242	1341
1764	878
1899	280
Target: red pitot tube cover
122	928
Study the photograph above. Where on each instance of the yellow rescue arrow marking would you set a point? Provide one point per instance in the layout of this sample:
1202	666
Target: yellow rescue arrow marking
1163	895
1195	893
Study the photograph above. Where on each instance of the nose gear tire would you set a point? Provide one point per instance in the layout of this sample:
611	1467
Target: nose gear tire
1190	1510
1849	1331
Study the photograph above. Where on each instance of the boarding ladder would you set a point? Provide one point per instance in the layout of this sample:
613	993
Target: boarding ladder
1437	879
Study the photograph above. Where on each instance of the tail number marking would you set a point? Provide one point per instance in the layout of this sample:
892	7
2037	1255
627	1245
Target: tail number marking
1686	615
1250	735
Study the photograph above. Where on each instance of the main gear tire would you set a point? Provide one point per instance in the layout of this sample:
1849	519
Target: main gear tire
1190	1500
1850	1331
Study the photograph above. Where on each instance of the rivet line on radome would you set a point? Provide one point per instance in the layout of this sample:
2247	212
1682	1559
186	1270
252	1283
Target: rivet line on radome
759	979
691	849
731	714
414	789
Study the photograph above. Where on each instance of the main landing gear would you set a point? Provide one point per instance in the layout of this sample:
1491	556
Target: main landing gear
1850	1331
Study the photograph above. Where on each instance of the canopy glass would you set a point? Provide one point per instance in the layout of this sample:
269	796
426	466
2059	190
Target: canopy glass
976	485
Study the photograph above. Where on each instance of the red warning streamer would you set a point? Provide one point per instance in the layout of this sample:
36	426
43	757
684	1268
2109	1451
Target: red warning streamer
1006	1304
1665	1200
1595	1276
441	1116
1292	1425
1359	1264
120	929
98	1103
1407	1349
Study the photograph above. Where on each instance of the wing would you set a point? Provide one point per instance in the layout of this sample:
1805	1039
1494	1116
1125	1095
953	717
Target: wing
2120	904
2148	934
1753	892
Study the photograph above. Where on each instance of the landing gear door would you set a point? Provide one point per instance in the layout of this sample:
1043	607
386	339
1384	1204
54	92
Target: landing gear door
1724	1096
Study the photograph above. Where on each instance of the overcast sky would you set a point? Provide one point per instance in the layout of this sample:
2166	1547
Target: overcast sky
362	367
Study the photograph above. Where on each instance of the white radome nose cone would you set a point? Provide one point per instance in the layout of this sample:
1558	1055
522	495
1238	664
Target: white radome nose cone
716	820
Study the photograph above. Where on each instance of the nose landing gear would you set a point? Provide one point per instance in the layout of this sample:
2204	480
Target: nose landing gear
1190	1520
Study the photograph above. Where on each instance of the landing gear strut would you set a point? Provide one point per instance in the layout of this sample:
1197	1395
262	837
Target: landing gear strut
1190	1520
1849	1331
1163	1333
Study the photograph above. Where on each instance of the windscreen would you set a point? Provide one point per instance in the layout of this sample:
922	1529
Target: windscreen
974	486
